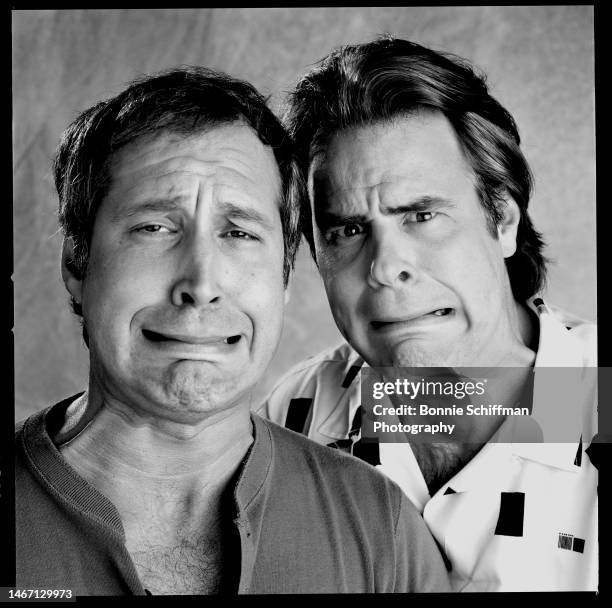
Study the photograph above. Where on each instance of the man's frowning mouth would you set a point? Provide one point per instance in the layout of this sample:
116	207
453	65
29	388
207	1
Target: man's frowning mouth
159	337
385	322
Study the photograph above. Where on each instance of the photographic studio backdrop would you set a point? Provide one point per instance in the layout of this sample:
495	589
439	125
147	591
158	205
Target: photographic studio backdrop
539	61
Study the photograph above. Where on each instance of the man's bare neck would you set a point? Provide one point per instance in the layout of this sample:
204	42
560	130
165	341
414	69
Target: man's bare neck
117	443
144	471
526	331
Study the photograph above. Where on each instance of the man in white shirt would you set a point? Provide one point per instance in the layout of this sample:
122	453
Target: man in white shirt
418	224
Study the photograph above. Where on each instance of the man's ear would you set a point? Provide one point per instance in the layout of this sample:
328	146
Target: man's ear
507	227
70	274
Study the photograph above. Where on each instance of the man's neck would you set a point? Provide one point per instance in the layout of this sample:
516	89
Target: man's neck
134	461
512	342
439	462
528	328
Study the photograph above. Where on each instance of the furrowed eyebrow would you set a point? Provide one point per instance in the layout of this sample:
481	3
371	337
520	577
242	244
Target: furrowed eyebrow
421	203
246	213
328	219
165	205
157	205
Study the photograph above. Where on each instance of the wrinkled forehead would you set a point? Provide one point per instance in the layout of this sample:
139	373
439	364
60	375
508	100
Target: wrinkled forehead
417	150
230	155
234	143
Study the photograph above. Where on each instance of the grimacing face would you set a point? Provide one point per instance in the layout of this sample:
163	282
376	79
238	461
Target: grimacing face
412	272
183	296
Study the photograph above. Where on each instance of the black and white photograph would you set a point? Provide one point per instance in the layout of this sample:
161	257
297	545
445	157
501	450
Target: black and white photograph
226	223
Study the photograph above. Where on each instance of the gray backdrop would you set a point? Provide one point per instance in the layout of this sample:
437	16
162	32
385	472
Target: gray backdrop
540	66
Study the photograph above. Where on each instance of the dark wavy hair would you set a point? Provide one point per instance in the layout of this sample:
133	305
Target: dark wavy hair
356	85
185	100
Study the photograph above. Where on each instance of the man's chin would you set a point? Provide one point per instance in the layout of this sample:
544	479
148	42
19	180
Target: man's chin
420	360
194	393
405	355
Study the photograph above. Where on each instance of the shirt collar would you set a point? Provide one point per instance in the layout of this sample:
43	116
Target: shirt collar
54	471
337	423
256	465
557	347
251	495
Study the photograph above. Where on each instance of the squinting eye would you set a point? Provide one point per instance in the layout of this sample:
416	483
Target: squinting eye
420	216
152	228
239	234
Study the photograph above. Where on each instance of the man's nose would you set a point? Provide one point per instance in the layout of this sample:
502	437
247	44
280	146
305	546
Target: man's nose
392	262
197	280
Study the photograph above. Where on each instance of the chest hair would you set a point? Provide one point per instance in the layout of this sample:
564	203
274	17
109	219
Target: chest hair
178	552
183	565
441	461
